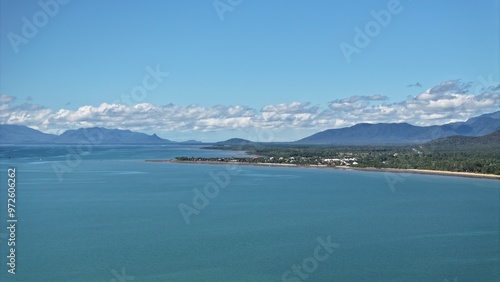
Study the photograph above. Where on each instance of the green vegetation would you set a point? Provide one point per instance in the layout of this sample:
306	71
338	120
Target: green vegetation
456	153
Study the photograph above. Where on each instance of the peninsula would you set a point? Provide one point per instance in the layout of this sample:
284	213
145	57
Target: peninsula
455	155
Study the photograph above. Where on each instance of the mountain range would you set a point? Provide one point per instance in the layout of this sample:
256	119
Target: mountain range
403	133
359	134
20	134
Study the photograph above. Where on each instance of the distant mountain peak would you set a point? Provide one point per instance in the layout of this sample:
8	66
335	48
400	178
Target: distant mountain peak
191	141
234	141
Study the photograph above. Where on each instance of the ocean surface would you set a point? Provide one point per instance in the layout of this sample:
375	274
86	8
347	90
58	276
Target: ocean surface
102	213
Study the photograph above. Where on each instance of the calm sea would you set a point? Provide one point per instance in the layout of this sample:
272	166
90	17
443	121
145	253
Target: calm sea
104	214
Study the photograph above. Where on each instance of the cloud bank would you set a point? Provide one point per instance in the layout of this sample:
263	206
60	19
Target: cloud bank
447	102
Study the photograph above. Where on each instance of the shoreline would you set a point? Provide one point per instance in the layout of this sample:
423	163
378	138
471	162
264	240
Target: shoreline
396	170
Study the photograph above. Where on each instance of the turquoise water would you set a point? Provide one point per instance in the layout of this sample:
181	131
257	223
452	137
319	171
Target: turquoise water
113	214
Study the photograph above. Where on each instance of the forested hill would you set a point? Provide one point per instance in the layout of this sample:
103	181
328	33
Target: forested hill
489	141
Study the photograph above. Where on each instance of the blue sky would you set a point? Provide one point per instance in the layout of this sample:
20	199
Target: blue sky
273	66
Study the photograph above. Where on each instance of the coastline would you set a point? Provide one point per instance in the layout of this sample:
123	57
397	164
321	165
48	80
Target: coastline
396	170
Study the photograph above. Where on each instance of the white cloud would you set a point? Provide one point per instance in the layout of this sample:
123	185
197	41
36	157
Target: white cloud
6	98
443	103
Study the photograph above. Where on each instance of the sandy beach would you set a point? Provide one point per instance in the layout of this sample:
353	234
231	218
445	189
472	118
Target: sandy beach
396	170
